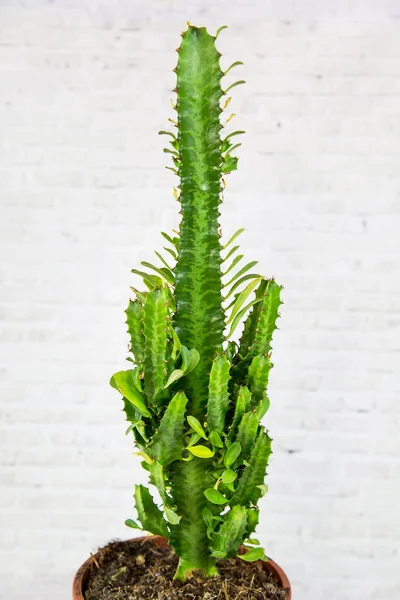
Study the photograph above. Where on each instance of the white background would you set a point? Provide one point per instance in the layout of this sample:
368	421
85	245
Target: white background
85	86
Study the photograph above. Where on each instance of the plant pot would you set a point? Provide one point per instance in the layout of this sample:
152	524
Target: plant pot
82	576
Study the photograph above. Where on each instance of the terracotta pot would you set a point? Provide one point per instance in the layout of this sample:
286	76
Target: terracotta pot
82	576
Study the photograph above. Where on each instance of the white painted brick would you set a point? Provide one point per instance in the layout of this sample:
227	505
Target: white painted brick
85	88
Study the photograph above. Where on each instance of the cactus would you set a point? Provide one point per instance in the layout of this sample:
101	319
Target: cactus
194	399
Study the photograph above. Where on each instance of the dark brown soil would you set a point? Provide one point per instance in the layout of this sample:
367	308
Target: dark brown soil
144	571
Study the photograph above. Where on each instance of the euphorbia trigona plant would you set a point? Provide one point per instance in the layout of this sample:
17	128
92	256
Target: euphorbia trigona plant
195	399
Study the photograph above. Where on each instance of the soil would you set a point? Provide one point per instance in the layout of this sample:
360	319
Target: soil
144	571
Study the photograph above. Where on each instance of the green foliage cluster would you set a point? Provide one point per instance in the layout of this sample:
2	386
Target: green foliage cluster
194	398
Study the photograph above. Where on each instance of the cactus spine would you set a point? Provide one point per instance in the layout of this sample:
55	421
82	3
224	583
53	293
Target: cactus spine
193	398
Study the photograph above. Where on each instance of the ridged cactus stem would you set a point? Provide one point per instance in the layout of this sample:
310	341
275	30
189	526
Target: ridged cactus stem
199	320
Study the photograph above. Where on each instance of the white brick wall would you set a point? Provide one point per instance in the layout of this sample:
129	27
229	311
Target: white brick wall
84	89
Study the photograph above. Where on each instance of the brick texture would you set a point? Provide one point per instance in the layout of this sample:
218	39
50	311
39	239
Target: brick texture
85	87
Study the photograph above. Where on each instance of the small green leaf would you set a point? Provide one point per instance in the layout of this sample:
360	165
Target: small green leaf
215	497
242	297
235	235
123	382
201	451
242	271
190	358
165	273
239	282
252	541
235	64
264	489
234	85
241	314
196	426
233	264
262	408
232	453
175	375
253	555
171	516
176	349
208	517
218	554
228	476
165	235
215	439
194	438
131	523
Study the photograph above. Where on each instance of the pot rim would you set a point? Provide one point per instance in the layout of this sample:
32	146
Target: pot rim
82	574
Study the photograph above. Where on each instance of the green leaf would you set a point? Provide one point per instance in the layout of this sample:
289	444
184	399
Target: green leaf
196	426
242	297
232	454
150	280
220	29
171	516
171	252
215	497
262	407
208	517
258	376
230	533
218	554
215	439
162	259
149	514
167	444
218	399
252	541
123	382
190	359
201	451
247	490
229	476
253	555
169	239
239	282
263	488
194	438
165	273
230	135
131	523
233	264
233	238
242	271
235	64
134	320
176	349
247	432
240	315
234	85
232	251
155	320
175	376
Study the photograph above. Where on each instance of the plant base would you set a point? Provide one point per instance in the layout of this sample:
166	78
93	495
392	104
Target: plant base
143	568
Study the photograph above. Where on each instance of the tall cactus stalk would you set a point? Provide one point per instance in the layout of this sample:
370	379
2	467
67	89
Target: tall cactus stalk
194	400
